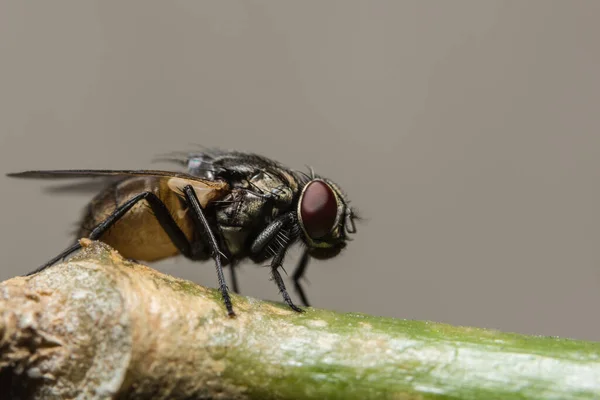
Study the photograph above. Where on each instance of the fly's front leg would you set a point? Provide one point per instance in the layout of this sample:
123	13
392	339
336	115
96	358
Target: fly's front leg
298	274
275	264
203	225
273	233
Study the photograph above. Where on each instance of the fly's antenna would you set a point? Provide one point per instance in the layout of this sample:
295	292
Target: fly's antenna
350	216
350	226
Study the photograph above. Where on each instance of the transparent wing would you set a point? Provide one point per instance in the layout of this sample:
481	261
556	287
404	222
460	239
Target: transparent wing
91	173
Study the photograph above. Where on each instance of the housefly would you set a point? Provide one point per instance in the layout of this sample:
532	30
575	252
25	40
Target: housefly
228	206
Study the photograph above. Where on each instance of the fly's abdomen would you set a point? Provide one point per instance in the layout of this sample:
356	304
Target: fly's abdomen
138	234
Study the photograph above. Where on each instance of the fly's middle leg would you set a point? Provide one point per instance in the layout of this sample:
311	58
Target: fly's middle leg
203	225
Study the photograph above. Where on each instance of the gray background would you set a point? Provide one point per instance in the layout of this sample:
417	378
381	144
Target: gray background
467	132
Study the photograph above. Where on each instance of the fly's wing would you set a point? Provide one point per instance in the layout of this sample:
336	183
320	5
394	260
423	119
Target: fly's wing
83	187
91	173
206	190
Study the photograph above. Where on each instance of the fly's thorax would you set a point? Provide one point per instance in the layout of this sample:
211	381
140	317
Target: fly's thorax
240	217
290	180
255	201
252	204
273	188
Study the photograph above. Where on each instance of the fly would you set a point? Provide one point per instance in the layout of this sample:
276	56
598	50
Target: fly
228	206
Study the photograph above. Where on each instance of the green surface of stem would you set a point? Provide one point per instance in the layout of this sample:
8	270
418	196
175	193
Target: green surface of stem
323	354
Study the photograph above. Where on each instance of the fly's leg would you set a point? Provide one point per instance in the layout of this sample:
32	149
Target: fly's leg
275	264
232	274
59	257
298	274
202	225
272	234
162	214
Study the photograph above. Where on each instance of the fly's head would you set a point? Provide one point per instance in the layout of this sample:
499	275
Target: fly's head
325	217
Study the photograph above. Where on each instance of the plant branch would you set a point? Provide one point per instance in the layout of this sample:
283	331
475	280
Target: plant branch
98	326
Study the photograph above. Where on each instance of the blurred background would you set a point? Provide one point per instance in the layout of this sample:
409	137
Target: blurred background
465	132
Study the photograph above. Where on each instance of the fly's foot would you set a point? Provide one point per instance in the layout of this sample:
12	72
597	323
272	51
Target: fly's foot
296	308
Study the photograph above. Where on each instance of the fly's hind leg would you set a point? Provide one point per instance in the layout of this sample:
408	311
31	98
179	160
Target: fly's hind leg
54	260
162	214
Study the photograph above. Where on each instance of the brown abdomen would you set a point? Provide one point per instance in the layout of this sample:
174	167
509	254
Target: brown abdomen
138	234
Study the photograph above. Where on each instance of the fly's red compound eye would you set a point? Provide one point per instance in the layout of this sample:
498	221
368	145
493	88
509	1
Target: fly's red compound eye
318	209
